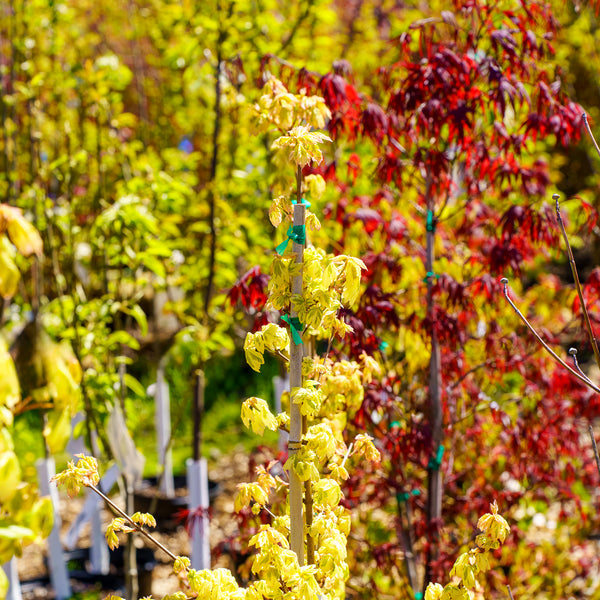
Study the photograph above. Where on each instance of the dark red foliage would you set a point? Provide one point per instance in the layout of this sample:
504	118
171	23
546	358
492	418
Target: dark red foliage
251	291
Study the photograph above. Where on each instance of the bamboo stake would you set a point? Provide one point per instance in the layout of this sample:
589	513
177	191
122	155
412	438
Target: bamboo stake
295	441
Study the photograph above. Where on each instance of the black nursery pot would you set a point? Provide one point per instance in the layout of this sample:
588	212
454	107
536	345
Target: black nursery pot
114	580
146	562
166	510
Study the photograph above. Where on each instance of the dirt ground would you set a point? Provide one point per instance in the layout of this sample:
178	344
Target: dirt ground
227	472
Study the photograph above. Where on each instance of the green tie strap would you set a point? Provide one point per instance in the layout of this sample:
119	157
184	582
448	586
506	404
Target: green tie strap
430	225
430	274
436	462
295	327
296	233
303	201
404	496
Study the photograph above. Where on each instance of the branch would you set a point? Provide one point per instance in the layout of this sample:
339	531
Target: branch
527	324
586	315
589	130
573	353
591	430
135	525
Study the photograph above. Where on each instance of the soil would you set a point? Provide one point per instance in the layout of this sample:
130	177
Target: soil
227	471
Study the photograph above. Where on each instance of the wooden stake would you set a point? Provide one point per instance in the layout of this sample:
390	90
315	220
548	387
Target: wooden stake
295	441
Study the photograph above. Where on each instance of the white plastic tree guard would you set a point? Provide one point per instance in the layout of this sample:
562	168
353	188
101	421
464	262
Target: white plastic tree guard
14	585
198	503
59	576
163	431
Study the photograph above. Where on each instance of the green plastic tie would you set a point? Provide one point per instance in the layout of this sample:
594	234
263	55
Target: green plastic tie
295	327
296	233
404	496
430	274
394	424
418	595
383	346
436	462
303	201
430	225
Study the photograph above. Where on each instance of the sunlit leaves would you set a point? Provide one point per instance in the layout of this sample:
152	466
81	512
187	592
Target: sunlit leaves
494	525
272	338
215	584
143	519
433	591
181	564
469	564
257	416
363	446
302	145
20	232
85	473
10	475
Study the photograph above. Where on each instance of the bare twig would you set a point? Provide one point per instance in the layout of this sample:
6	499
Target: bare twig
573	353
589	130
586	316
581	378
597	457
133	524
510	592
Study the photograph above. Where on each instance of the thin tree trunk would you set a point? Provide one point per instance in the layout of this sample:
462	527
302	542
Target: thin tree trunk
434	476
198	414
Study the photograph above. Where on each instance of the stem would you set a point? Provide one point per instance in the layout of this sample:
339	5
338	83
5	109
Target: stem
557	358
589	130
586	316
434	475
573	353
198	413
596	456
405	535
213	170
133	524
132	584
296	27
296	356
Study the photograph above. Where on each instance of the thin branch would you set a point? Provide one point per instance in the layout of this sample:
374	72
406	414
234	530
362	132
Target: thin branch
591	430
573	353
135	525
510	592
527	324
586	316
589	130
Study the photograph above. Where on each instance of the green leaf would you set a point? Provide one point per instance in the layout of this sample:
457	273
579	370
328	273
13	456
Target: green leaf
122	337
16	532
10	475
134	385
57	430
152	263
137	312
